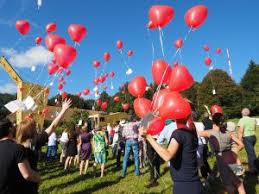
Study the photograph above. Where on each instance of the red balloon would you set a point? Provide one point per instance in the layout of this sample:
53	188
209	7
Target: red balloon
60	69
207	61
216	109
52	68
161	15
178	43
64	95
196	16
98	102
86	92
116	98
96	63
102	79
180	79
60	86
142	106
112	74
78	94
38	40
96	81
130	53
206	47
158	99
174	106
137	86
77	32
68	72
218	50
65	55
106	75
51	27
104	106
125	107
106	56
119	44
151	25
23	26
45	110
52	40
155	126
160	69
61	79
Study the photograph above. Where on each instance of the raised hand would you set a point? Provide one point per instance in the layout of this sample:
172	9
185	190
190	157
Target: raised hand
66	104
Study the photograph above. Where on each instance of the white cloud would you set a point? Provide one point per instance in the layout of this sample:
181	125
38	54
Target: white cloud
37	55
9	88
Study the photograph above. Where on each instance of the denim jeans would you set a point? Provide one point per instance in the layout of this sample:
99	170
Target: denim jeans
131	144
249	142
52	152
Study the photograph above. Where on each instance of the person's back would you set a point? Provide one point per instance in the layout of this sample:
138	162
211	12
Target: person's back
99	141
248	125
184	165
10	155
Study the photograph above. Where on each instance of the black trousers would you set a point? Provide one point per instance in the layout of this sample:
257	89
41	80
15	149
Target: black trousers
153	163
205	169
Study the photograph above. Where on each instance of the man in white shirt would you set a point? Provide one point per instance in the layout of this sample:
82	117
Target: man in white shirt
52	146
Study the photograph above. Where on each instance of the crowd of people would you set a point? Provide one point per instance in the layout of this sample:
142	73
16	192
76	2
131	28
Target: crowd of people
184	144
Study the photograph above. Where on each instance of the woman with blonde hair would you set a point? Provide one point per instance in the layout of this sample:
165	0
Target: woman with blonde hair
32	141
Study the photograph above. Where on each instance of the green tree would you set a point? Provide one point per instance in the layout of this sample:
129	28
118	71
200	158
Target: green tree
79	115
228	93
4	99
250	88
192	94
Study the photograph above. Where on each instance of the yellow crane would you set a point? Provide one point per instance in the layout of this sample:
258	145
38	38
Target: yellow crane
25	89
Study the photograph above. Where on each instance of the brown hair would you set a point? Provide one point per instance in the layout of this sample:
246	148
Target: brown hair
25	130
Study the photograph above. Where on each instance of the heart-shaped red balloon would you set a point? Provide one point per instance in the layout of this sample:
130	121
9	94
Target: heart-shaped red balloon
23	26
137	86
51	27
112	74
52	68
207	61
206	48
64	95
130	53
64	55
125	106
60	86
218	50
160	15
96	63
180	79
79	94
161	72
38	40
77	32
216	109
104	106
196	16
155	126
158	99
106	56
142	106
116	98
174	106
178	43
52	40
119	44
86	92
98	102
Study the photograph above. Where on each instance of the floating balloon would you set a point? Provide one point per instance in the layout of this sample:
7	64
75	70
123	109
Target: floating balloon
68	72
218	50
96	81
207	61
161	72
98	102
106	56
161	15
155	126
38	40
96	63
196	16
52	40
137	86
86	92
60	70
130	53
104	106
65	55
106	75
178	43
23	26
125	106
119	44
151	25
206	47
158	98
174	106
101	79
77	32
52	68
61	79
216	109
116	98
180	79
79	94
51	27
142	106
64	95
60	86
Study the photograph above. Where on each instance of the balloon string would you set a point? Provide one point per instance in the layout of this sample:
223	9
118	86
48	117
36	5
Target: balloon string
152	45
123	59
161	41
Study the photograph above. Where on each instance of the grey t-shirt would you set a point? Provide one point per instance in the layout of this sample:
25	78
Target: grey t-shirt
219	141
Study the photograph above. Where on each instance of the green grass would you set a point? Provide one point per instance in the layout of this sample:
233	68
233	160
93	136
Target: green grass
55	180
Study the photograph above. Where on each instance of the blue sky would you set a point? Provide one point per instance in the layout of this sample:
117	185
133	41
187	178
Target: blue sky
230	24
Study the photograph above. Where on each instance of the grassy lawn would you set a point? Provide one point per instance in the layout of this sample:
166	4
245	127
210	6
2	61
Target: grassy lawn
55	180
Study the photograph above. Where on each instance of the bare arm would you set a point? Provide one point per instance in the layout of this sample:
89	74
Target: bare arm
204	133
241	133
65	105
238	141
27	173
